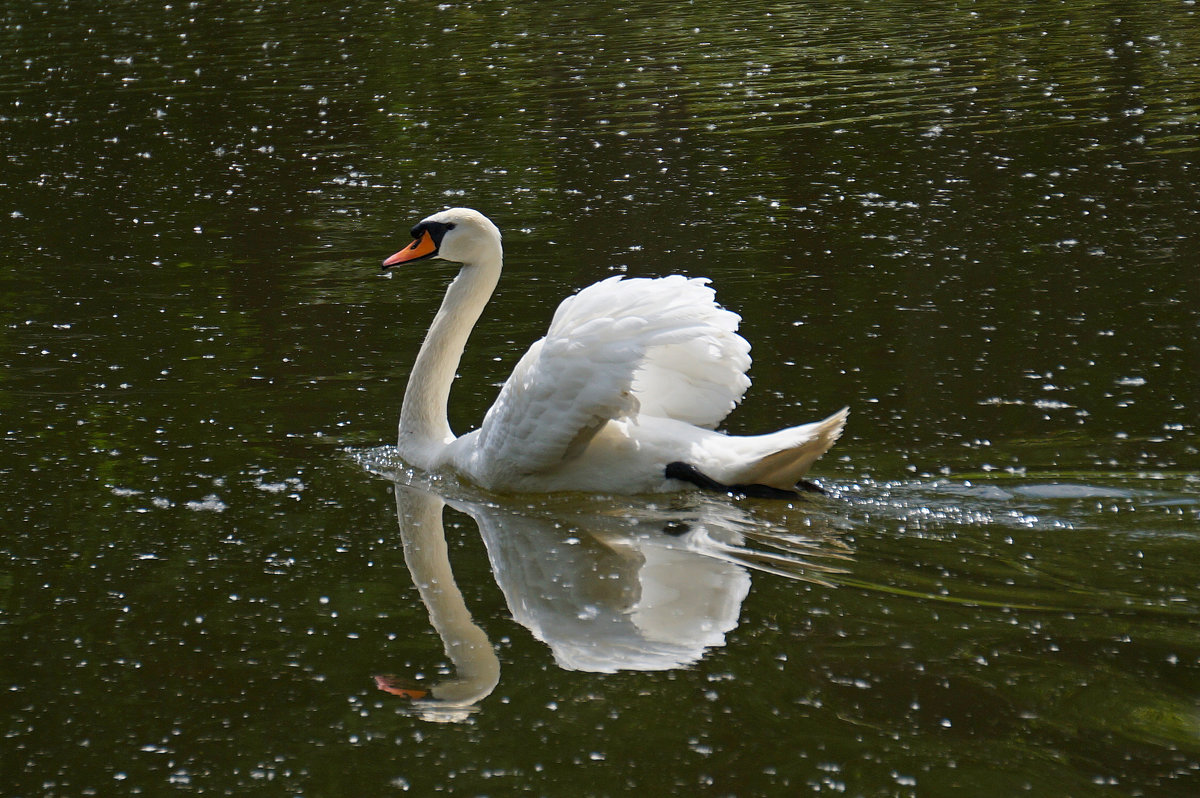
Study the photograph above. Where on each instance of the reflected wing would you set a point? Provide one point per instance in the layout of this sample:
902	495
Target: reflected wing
622	596
619	348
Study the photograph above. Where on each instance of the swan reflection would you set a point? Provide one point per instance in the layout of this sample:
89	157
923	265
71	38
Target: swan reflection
608	584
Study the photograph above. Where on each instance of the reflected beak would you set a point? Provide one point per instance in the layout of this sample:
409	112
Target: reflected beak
423	247
391	684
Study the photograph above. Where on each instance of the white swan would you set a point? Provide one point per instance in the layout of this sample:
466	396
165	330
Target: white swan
621	396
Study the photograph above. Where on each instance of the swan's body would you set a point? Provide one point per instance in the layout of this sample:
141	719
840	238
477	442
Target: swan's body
633	375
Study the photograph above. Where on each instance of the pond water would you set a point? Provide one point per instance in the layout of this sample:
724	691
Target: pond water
972	222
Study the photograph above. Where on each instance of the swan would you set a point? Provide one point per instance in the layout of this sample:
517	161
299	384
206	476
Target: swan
623	394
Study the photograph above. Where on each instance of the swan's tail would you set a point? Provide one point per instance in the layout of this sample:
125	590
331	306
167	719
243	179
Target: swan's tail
781	458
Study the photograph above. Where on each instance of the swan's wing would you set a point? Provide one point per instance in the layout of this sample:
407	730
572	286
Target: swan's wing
660	347
693	363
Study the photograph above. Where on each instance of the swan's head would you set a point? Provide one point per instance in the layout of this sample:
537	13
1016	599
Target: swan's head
461	235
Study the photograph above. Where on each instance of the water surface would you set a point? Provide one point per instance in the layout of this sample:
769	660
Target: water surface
972	223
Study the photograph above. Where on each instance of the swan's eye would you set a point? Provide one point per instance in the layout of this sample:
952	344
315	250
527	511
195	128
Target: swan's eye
435	229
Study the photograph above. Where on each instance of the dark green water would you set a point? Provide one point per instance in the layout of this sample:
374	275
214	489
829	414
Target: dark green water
973	223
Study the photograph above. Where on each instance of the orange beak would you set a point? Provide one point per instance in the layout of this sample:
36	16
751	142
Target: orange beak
423	247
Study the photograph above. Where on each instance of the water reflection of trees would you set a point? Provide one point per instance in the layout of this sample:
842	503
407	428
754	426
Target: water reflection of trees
607	584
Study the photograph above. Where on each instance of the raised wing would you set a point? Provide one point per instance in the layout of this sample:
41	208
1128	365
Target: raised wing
617	349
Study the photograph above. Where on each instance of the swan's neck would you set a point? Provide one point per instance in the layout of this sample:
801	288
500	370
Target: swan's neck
424	424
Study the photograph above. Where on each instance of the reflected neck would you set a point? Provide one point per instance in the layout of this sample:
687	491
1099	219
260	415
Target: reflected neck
477	668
